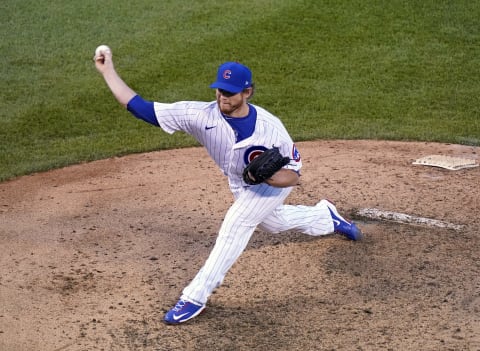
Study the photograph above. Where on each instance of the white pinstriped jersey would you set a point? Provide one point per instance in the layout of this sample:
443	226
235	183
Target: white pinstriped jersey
204	121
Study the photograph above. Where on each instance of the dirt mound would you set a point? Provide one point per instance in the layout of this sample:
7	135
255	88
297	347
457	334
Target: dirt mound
94	254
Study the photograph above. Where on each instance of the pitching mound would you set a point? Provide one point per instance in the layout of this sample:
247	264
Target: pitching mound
93	255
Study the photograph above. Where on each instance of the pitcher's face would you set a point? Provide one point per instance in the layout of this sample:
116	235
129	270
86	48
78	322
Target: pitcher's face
233	104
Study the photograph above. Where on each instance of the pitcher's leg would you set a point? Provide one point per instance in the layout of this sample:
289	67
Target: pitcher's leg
321	219
244	215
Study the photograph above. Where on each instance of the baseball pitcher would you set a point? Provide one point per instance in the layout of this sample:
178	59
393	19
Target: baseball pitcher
257	155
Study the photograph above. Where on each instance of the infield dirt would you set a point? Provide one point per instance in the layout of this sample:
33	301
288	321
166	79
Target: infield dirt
93	255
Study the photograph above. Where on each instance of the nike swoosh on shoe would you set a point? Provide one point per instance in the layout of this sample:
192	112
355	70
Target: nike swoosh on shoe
175	317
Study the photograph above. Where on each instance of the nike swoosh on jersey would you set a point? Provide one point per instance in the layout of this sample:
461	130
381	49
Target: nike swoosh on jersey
207	127
175	317
336	221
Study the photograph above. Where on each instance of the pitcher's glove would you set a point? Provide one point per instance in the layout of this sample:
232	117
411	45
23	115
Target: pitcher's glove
264	166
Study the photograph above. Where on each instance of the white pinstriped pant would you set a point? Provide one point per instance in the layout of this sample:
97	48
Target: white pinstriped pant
262	206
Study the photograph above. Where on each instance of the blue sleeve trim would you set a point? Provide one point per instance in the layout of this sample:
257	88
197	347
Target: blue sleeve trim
142	109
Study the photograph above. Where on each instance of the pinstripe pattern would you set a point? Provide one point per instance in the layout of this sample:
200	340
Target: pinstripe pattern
250	209
193	117
311	220
259	205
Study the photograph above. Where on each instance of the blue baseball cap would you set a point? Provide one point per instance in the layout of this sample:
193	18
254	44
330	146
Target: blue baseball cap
233	77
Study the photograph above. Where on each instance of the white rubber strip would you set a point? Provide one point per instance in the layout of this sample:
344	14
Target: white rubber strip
374	213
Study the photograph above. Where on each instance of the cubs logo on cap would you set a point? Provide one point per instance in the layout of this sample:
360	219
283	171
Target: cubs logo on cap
227	74
233	77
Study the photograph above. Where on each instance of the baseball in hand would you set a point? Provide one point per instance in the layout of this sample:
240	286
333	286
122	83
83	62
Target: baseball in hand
99	51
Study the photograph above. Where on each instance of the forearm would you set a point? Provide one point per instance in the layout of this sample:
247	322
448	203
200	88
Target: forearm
284	178
122	92
104	65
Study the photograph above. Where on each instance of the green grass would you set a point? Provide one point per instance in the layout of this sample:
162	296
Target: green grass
400	70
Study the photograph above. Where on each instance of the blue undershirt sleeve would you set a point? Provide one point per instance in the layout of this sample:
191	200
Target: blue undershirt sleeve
142	109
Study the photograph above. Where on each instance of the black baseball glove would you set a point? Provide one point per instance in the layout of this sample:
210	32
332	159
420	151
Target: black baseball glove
264	166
